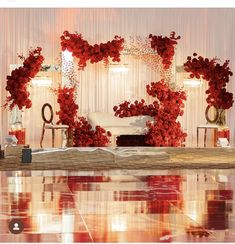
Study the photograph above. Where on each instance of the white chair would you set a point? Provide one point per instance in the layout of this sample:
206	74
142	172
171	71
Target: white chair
48	125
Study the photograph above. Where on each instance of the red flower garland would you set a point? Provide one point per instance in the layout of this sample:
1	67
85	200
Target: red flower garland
18	81
84	136
127	109
217	75
165	47
165	131
68	107
82	50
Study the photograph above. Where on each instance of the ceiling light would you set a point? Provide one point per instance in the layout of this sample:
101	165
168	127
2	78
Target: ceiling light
118	68
192	83
42	81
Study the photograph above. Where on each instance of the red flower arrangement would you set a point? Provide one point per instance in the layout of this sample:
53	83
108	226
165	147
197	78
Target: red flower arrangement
165	47
165	130
82	50
79	128
68	107
19	79
169	100
84	136
127	109
217	75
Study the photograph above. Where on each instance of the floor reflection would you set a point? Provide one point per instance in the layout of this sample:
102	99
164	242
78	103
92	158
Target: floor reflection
119	206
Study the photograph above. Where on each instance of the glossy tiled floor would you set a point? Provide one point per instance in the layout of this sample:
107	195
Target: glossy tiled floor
119	206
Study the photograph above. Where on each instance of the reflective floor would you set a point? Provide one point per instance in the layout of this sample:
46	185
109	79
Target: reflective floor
119	206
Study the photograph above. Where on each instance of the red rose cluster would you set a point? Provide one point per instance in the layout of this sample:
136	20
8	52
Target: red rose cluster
68	107
172	102
18	81
165	131
82	50
84	136
127	109
165	47
217	75
79	127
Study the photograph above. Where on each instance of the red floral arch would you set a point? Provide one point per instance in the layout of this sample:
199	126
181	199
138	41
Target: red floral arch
19	79
216	74
168	106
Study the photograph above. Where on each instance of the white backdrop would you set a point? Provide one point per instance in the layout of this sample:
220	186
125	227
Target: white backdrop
209	32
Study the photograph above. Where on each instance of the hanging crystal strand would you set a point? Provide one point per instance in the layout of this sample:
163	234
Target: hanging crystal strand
68	79
169	75
172	73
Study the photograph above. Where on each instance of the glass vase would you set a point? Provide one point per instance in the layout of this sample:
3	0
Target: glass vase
16	125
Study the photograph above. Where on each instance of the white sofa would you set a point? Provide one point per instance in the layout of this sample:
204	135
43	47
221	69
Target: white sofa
135	125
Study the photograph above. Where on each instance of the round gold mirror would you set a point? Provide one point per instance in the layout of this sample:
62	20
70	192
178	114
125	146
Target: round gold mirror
211	114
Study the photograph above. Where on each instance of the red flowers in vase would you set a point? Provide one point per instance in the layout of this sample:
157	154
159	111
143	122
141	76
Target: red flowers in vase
216	74
19	79
165	47
84	51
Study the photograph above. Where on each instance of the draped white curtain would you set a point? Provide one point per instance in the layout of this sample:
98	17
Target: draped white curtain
209	32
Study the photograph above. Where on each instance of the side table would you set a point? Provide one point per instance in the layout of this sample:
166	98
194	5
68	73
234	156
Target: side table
206	127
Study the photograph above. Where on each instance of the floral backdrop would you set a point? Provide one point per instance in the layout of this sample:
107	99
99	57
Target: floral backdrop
103	90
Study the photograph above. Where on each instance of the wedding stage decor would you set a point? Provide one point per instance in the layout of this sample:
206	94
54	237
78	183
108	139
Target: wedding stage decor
168	106
157	123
